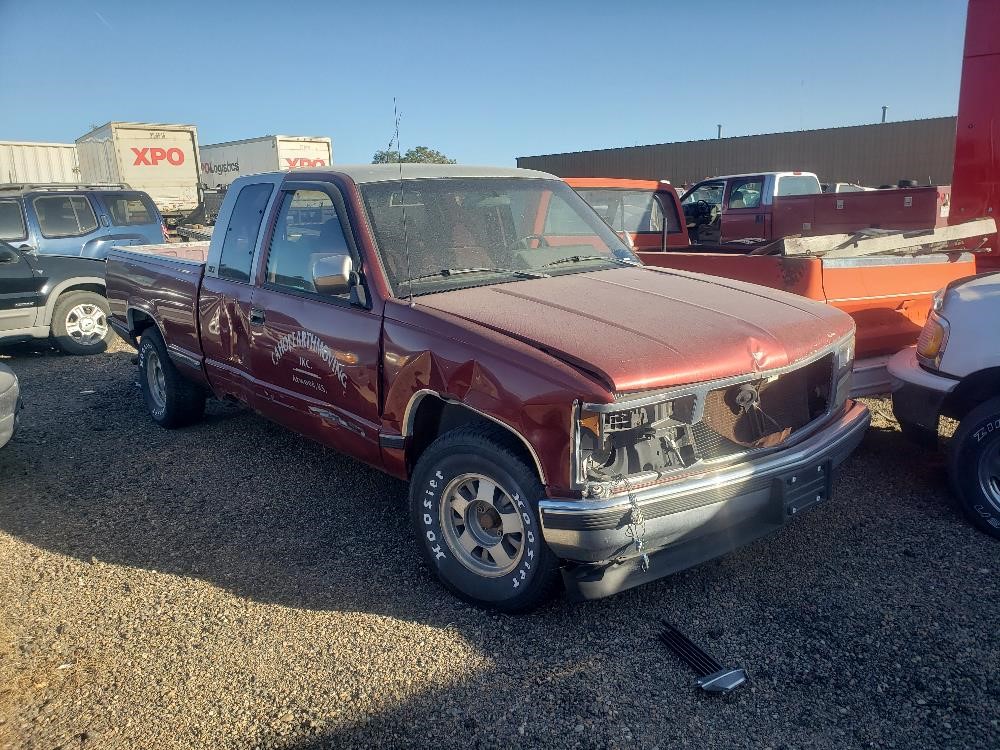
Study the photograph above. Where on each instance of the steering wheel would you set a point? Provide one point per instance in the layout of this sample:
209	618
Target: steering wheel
542	242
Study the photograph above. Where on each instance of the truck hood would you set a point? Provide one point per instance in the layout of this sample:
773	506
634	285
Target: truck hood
643	328
983	286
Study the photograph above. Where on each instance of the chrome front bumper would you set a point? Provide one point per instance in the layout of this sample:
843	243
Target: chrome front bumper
692	520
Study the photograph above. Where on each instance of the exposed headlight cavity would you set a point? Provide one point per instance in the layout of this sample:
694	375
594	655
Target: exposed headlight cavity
655	437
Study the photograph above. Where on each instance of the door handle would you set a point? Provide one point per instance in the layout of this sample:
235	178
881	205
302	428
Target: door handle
256	316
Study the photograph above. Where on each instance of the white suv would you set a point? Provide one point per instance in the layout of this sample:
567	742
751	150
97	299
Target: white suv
954	370
10	404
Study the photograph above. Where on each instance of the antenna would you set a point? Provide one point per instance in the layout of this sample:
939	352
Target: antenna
402	201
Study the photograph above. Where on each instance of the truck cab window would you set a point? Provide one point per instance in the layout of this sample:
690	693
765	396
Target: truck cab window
11	221
799	184
630	210
64	215
746	193
308	229
241	235
709	192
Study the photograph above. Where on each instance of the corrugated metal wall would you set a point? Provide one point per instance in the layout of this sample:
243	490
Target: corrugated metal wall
872	155
27	161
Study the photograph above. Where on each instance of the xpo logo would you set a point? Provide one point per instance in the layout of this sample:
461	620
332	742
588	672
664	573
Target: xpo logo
150	157
304	162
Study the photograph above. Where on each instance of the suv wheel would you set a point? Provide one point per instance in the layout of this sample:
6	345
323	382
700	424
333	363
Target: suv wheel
974	466
172	399
473	507
80	323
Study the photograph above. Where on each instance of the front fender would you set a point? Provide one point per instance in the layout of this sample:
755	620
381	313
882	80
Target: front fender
50	301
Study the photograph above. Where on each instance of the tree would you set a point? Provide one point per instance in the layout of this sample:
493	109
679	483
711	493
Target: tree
420	154
385	156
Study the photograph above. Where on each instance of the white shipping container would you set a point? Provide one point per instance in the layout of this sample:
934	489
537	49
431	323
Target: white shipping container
29	161
159	159
221	163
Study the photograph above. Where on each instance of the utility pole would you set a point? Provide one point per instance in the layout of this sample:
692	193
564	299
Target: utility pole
719	133
884	108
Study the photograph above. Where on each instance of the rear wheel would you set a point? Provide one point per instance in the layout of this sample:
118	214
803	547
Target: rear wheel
172	399
974	466
80	323
473	504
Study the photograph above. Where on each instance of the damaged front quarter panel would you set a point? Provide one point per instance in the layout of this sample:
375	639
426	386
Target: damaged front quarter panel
432	354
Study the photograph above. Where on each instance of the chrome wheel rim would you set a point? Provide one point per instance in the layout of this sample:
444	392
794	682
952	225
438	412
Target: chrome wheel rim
989	474
156	380
86	324
482	525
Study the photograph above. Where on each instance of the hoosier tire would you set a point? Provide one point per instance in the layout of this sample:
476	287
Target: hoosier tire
974	466
172	400
473	504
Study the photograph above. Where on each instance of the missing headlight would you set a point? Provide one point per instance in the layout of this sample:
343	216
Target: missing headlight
655	437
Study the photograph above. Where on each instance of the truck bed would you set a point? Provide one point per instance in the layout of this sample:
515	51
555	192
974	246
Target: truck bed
161	281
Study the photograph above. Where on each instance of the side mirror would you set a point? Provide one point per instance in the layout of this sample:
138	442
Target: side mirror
332	274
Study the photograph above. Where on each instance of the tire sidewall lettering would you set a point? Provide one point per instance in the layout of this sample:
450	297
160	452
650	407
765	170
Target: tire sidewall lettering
428	517
984	431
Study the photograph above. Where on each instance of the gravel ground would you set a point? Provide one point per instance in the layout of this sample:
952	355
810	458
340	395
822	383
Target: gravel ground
233	586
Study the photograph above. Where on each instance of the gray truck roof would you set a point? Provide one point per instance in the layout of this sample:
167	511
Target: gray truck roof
362	173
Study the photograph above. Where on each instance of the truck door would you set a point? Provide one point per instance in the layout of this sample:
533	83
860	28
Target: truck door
743	214
225	296
20	290
315	356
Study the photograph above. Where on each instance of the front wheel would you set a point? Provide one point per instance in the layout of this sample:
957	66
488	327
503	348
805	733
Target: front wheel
473	504
80	323
974	466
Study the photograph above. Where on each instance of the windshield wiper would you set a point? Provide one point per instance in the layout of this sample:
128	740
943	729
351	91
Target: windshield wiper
448	272
583	258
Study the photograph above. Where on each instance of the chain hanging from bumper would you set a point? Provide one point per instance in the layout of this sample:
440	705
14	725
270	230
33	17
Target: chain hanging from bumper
636	527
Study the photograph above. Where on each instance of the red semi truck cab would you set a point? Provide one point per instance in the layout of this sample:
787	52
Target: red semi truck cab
562	412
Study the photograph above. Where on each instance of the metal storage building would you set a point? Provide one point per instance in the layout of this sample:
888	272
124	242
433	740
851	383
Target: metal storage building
871	155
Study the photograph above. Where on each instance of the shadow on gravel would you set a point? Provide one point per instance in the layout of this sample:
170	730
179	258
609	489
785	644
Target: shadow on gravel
235	500
825	616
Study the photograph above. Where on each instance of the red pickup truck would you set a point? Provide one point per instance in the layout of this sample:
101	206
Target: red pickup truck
561	411
764	206
889	296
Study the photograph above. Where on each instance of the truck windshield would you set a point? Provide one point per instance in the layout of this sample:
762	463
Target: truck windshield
710	192
462	232
632	211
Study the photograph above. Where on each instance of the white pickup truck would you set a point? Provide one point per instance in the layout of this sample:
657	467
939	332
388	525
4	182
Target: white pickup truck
954	370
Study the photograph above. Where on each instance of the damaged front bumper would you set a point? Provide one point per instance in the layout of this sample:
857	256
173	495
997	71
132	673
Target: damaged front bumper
692	520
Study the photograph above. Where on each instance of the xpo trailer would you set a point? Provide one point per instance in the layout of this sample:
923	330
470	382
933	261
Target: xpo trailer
161	160
29	161
221	163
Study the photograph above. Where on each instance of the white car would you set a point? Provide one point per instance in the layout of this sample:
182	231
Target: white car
954	370
10	404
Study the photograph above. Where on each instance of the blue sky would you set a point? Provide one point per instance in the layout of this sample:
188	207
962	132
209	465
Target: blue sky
483	82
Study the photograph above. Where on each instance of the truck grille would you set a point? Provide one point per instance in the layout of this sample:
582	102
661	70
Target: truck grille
760	414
